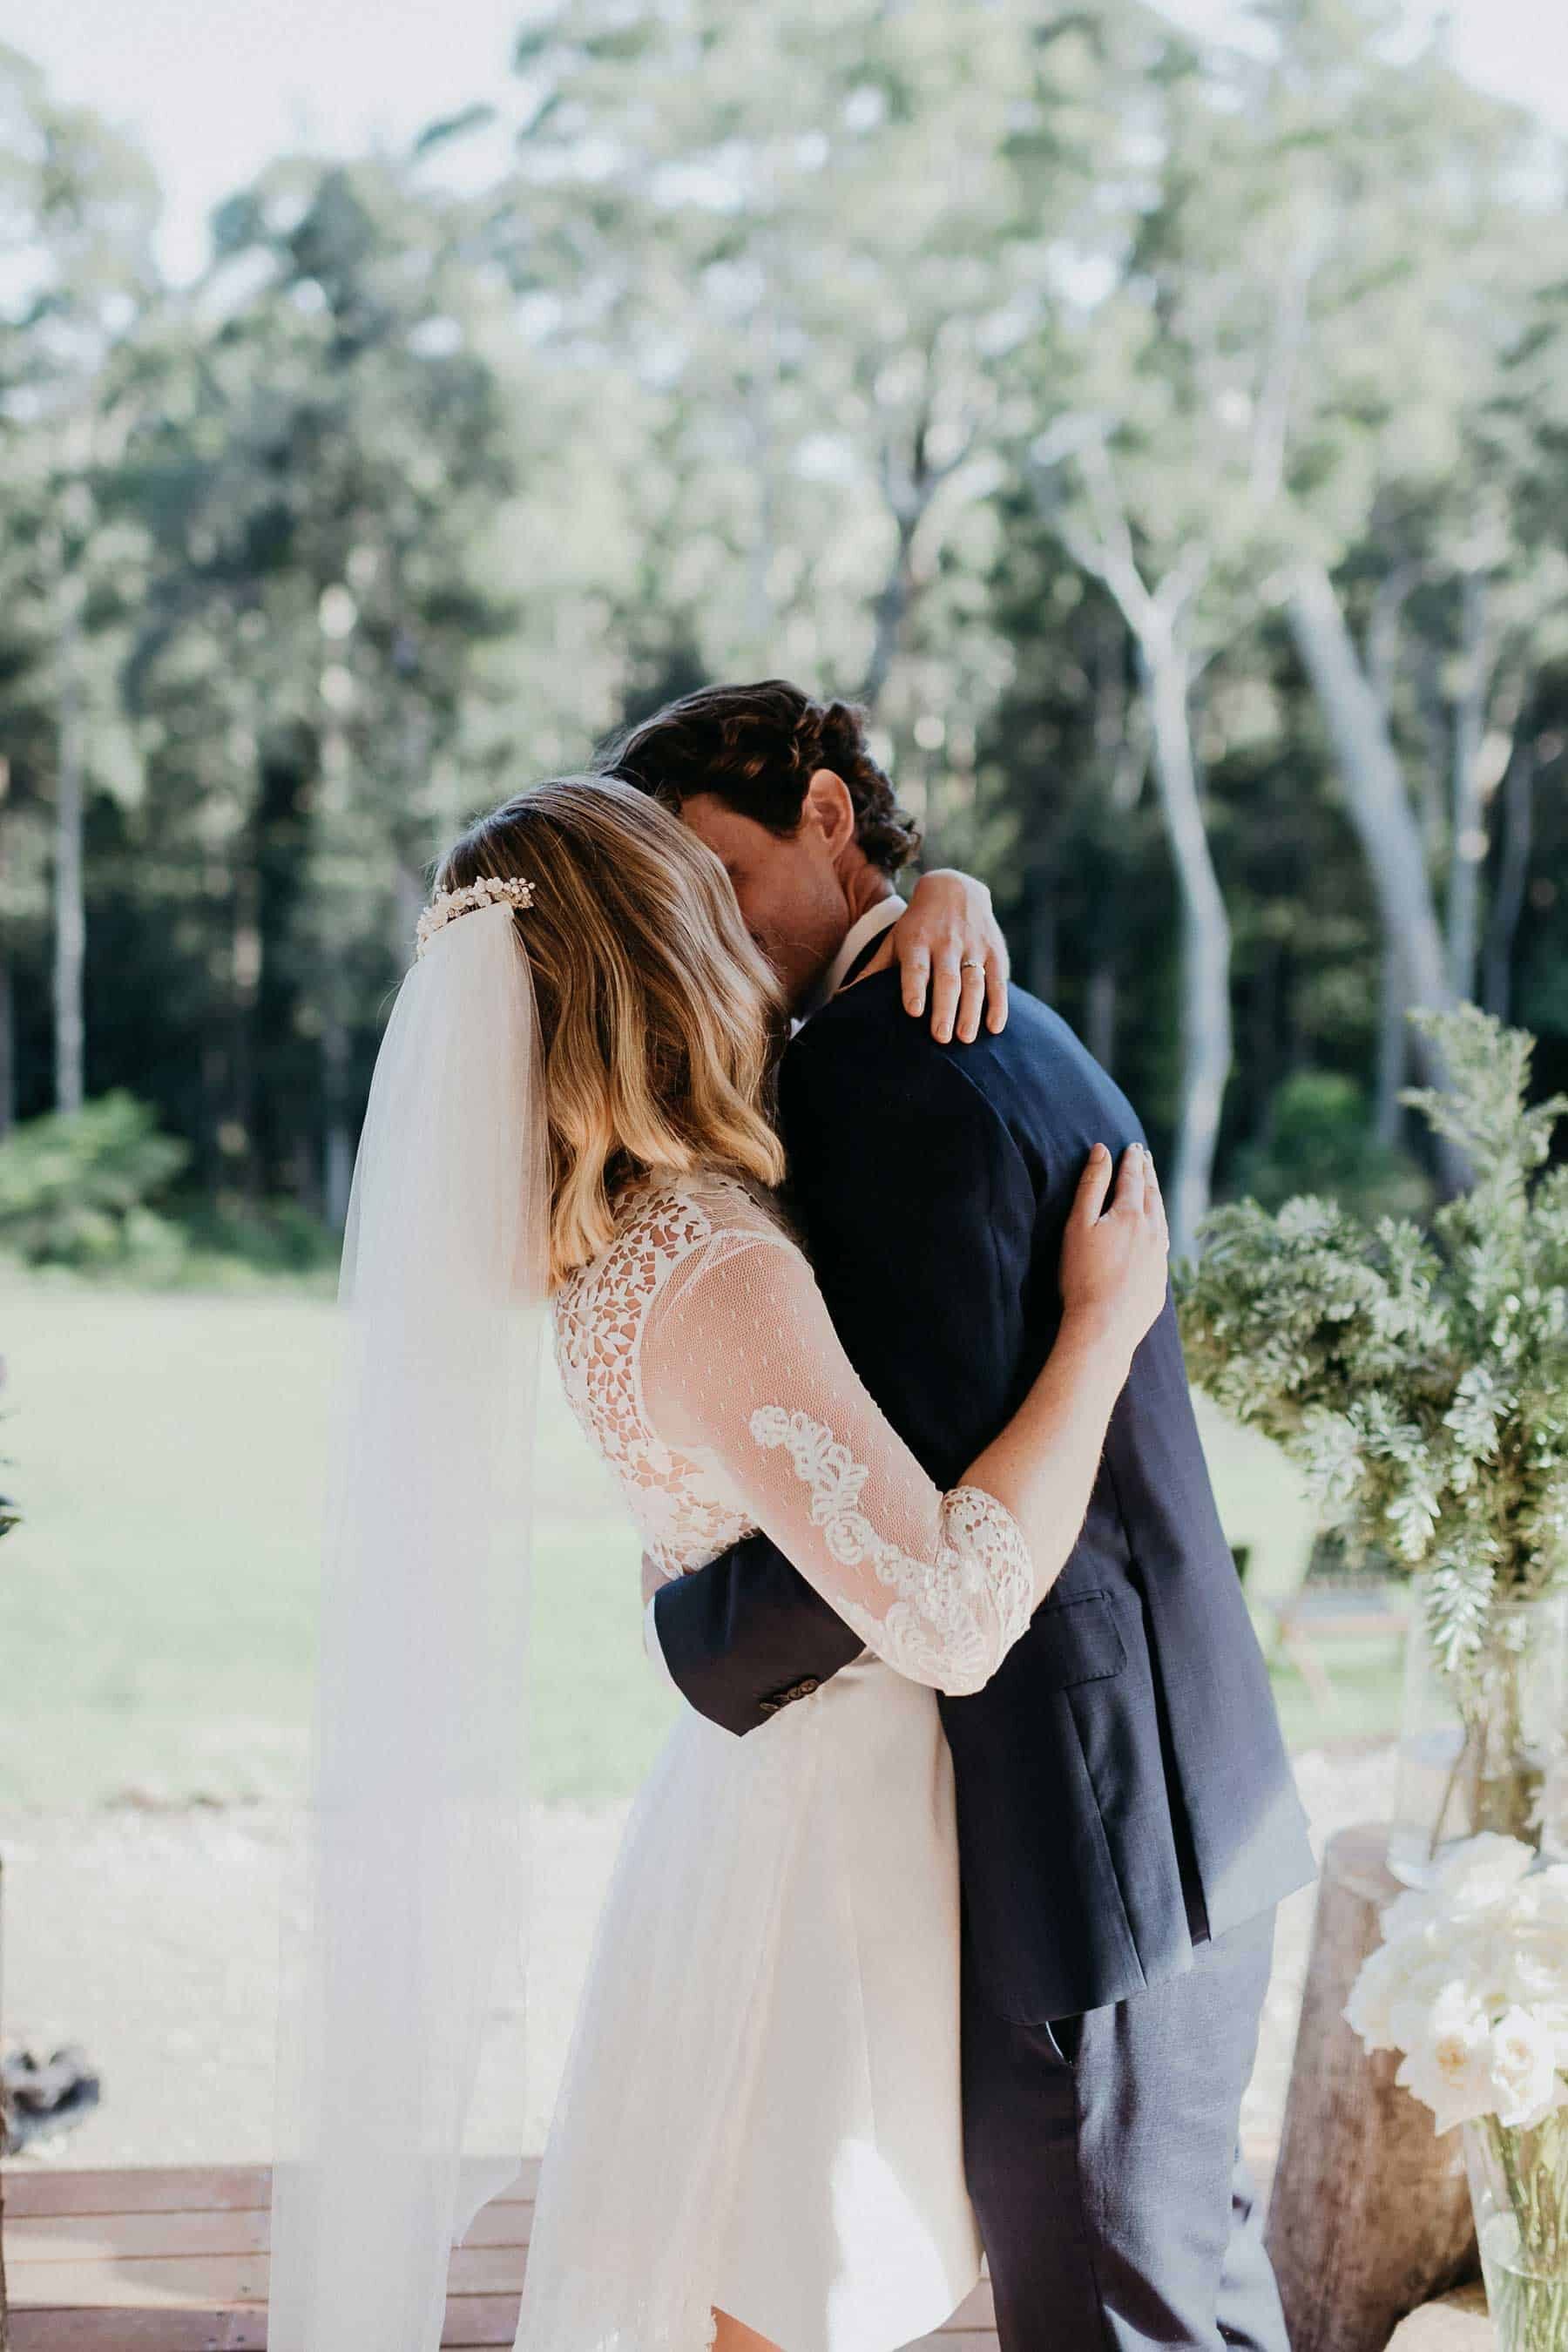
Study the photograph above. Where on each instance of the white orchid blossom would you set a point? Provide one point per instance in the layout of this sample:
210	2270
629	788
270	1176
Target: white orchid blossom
1470	1985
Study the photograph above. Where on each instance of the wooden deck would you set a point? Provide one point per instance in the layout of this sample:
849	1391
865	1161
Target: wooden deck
174	2260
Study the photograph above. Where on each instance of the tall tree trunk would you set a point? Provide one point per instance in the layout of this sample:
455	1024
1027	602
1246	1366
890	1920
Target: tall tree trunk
8	1051
8	1000
1508	902
338	1164
1392	1046
892	611
1432	718
1154	618
1374	790
286	1136
1100	1013
759	599
1380	814
1207	1043
69	908
336	765
1467	831
1041	946
1392	1033
909	489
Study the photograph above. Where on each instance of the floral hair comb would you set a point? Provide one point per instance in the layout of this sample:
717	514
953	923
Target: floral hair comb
448	905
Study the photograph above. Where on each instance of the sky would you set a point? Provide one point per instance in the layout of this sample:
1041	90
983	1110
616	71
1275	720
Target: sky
214	88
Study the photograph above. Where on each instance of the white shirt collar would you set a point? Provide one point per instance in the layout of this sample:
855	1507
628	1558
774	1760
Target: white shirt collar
871	925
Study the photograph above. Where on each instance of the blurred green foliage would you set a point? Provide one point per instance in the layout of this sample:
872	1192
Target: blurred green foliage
96	1191
1318	1138
76	1188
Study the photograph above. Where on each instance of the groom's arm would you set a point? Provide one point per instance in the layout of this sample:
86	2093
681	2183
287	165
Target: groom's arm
918	1215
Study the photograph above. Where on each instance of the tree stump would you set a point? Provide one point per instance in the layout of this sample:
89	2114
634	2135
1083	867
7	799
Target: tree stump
1369	2214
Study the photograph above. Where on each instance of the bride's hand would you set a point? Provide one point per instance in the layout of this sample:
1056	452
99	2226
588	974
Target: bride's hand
949	943
1115	1260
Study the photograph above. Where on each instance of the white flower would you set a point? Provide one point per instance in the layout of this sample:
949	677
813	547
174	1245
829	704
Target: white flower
1546	1895
1378	1990
1553	2017
1408	1914
1450	2065
1437	1988
1523	2070
1471	1983
1483	1951
1538	1960
1478	1873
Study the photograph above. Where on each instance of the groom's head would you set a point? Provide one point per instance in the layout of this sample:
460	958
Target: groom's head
784	791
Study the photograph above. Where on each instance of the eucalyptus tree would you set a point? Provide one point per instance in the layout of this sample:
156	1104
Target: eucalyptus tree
79	205
321	466
1397	221
823	239
1307	326
1524	440
1145	472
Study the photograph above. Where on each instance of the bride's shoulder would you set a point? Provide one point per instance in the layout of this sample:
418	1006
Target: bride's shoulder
681	1211
666	1216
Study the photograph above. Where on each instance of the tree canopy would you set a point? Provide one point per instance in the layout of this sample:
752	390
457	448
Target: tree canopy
1167	439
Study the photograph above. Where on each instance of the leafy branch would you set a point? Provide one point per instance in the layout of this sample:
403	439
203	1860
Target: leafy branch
1420	1377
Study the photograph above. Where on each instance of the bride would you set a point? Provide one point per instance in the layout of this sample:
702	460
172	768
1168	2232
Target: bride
758	2135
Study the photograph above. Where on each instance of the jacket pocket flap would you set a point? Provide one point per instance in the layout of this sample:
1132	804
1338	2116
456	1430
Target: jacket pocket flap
1077	1641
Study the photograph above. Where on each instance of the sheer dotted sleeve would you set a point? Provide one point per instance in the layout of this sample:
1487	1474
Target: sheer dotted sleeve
741	1370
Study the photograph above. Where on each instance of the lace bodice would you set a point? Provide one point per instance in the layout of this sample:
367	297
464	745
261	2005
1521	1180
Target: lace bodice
698	1355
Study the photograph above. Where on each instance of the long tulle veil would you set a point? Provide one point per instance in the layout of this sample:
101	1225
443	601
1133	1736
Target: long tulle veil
400	2088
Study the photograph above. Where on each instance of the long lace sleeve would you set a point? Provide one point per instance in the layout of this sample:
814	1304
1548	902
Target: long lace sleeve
742	1370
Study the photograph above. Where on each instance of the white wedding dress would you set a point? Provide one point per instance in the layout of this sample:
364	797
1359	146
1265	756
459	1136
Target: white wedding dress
761	2111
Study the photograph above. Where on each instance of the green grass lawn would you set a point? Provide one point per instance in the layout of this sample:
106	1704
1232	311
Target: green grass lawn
156	1606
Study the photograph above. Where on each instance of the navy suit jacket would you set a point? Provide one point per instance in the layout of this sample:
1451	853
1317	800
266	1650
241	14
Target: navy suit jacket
1123	1786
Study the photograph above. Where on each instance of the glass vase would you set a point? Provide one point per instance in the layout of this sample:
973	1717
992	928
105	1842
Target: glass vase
1485	1746
1519	2188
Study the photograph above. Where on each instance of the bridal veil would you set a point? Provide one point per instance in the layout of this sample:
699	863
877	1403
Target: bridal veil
400	2089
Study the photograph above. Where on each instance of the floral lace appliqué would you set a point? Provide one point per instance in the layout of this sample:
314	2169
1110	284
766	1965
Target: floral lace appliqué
955	1617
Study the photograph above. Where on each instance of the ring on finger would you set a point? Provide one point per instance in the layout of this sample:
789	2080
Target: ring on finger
969	963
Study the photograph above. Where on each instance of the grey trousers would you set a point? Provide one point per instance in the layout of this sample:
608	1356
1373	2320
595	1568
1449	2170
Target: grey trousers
1103	2161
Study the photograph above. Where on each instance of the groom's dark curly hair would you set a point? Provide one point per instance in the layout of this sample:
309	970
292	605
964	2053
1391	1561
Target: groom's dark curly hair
756	747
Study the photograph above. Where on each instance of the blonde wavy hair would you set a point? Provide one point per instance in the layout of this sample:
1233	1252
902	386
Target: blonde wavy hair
658	1013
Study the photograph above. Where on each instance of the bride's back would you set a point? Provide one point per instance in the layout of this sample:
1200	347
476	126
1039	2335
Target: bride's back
666	1225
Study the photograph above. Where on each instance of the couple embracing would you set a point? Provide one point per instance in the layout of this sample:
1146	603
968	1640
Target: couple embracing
944	1920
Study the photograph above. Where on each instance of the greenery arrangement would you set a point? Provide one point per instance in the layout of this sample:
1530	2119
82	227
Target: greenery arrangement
1420	1376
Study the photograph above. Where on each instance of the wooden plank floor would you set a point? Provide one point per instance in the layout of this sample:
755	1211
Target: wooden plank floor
173	2259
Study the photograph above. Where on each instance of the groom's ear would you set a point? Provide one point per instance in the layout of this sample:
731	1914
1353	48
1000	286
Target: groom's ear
829	811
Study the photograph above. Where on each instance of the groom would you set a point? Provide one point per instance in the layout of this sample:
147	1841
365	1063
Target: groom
1126	1817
